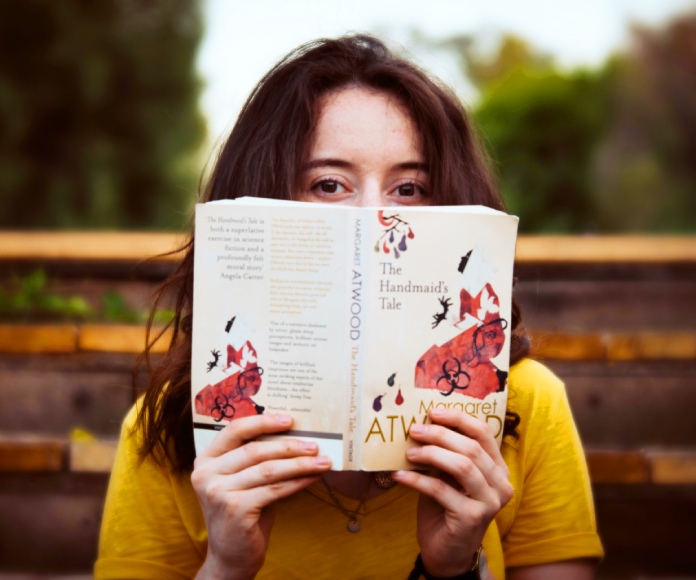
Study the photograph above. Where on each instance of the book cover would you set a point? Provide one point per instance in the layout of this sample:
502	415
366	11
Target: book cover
356	321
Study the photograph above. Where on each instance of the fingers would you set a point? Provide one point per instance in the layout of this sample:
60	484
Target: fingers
466	474
237	432
261	483
270	473
445	495
470	427
267	470
256	452
463	449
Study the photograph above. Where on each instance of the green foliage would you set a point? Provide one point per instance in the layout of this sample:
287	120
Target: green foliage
607	150
99	119
484	70
542	131
115	308
644	172
29	298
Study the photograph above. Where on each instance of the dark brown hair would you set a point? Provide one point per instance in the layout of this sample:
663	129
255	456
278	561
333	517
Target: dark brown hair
263	157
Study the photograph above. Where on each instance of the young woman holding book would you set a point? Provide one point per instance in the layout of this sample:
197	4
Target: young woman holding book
344	121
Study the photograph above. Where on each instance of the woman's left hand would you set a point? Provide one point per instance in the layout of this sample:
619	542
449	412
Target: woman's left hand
466	486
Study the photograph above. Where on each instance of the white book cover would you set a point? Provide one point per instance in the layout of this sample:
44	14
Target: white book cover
355	321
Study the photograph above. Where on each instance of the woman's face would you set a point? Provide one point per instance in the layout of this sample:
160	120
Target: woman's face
366	152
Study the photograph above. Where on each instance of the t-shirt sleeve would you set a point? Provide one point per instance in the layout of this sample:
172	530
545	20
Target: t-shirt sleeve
143	534
555	519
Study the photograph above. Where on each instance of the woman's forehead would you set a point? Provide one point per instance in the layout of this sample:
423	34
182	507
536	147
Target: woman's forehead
357	118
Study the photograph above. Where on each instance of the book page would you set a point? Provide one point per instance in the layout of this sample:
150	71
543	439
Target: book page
267	337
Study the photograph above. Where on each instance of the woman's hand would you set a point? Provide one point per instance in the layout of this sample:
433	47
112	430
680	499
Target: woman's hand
463	491
238	480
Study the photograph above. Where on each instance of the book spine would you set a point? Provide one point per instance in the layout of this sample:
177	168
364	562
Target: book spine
355	332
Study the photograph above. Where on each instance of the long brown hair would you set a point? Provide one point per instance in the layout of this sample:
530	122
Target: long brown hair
263	157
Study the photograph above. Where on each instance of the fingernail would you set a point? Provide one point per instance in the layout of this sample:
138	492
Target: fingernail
322	460
418	429
283	419
437	413
308	446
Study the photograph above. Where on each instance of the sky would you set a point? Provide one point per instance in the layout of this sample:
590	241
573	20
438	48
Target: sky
243	39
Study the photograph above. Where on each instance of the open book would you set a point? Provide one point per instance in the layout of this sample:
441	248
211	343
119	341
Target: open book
355	321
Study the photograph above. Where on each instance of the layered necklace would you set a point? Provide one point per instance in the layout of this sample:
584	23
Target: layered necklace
381	478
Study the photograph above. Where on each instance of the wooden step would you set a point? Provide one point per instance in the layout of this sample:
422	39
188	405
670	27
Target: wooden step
38	338
98	246
137	246
119	338
650	466
32	453
122	338
614	346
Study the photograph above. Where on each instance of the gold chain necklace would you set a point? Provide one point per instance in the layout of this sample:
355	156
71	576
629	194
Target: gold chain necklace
352	515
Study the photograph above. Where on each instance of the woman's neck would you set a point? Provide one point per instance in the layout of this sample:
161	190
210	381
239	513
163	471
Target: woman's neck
353	483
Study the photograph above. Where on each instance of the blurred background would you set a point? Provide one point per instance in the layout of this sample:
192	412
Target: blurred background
111	112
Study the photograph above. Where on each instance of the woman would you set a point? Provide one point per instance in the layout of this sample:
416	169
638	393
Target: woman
343	121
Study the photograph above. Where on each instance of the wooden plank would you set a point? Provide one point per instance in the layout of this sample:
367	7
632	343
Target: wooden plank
581	346
605	466
52	531
31	453
621	467
131	246
562	346
38	338
54	403
627	411
606	249
647	531
530	249
79	362
92	456
614	346
118	338
673	467
610	305
652	345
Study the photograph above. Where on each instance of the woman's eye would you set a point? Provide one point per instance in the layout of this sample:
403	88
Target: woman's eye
410	190
329	186
406	190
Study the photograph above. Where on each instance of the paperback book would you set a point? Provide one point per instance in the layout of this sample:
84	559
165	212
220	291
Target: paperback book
355	321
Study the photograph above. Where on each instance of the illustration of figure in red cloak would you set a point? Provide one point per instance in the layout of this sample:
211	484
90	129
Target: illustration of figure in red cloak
463	364
231	398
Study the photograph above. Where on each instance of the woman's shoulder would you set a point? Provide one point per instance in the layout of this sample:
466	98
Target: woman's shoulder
531	382
538	396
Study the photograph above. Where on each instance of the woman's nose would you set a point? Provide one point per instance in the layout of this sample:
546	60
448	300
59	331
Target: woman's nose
370	194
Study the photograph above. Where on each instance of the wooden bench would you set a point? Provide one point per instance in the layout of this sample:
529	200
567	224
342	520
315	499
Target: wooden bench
31	453
614	316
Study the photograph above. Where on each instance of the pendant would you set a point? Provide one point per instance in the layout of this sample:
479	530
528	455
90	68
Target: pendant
384	479
353	526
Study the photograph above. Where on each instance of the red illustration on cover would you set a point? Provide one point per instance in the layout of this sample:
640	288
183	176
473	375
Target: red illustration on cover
231	398
463	364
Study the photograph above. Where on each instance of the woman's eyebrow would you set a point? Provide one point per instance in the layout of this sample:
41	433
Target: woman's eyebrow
416	165
327	162
330	162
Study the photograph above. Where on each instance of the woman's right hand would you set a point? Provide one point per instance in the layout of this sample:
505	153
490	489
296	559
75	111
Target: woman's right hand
238	480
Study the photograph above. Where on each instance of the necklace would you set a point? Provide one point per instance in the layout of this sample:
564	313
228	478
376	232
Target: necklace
384	479
352	515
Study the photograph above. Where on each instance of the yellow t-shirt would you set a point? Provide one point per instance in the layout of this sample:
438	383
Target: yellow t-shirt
153	526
